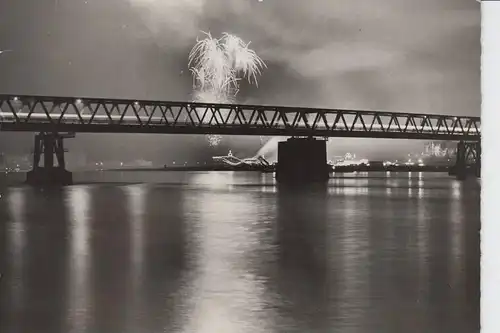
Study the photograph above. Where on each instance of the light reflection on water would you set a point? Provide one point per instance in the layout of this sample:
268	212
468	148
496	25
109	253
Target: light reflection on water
235	252
228	295
137	195
16	242
79	259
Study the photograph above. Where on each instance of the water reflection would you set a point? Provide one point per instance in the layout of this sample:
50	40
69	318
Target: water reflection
137	197
302	269
422	223
16	243
34	260
223	253
470	275
421	187
226	292
79	260
110	244
268	182
215	180
166	259
388	187
353	245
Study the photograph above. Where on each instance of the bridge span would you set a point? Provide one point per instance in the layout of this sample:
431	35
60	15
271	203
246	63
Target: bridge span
100	115
297	158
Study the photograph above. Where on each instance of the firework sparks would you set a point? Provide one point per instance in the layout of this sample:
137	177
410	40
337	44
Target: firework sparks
217	66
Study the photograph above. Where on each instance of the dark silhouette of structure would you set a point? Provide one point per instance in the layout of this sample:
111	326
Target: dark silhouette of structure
47	145
468	158
53	115
302	160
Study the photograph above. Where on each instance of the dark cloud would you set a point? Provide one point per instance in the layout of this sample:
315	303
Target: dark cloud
398	55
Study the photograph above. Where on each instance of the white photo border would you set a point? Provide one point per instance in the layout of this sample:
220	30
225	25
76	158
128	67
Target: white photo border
490	173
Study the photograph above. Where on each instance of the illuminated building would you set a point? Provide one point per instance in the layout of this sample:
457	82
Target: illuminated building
231	160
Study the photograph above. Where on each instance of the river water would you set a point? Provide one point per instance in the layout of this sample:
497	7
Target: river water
217	252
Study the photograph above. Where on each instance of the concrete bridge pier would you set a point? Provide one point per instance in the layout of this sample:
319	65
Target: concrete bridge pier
49	174
477	165
468	160
302	160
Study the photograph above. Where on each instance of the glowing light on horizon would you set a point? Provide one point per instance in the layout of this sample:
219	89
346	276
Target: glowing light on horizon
217	66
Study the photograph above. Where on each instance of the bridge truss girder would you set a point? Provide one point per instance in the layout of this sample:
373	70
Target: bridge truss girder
61	114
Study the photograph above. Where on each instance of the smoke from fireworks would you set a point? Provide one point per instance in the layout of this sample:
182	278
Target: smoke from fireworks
217	66
269	150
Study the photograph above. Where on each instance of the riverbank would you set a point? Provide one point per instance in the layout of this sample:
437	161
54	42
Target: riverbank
355	168
197	168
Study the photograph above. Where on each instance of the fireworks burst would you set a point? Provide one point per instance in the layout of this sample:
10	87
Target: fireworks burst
217	66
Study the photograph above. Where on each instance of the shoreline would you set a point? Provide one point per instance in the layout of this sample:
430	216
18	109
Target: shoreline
346	169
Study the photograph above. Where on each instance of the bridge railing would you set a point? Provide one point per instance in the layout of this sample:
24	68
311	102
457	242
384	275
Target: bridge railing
102	115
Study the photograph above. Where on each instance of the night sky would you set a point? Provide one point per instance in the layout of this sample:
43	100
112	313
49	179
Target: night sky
395	55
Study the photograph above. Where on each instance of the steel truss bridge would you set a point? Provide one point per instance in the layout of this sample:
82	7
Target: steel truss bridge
102	115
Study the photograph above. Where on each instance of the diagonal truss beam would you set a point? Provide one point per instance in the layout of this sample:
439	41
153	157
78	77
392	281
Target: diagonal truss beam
100	115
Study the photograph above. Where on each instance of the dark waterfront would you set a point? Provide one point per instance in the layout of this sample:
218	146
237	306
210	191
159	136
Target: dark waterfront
232	252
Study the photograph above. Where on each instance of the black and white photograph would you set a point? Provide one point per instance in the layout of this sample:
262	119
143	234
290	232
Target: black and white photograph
233	166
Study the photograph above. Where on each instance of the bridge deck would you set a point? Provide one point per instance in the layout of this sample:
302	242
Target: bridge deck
62	114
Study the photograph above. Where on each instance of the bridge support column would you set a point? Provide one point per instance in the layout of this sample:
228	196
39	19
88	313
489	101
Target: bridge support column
468	160
48	145
302	160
